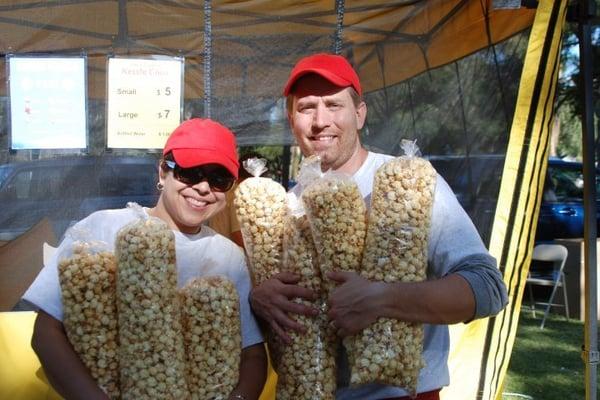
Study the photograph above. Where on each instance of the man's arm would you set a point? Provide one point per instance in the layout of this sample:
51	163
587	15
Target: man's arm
65	371
357	302
253	372
271	301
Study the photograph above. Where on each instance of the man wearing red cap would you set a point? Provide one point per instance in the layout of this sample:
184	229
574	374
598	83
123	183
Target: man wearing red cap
326	112
199	165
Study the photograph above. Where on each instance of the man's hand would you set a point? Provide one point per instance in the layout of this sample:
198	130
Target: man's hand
354	303
272	301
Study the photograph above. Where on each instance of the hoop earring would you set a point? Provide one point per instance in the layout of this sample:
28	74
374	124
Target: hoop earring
159	186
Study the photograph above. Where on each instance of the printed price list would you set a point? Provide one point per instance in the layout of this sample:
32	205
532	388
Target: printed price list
144	101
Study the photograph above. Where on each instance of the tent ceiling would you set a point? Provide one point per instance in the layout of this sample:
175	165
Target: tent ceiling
255	43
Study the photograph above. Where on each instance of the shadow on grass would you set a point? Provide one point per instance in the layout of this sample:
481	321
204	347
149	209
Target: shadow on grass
546	364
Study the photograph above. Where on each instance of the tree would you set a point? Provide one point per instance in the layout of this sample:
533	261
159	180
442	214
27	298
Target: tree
570	91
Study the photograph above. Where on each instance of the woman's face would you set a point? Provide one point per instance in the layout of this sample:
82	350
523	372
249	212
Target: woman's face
186	206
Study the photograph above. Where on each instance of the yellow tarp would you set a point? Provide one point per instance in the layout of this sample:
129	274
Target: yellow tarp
486	345
21	375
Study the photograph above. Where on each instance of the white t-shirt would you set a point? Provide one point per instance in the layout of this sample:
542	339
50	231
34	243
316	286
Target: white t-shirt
203	254
454	246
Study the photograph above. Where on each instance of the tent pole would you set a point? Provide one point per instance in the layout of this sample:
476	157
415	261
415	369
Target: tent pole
339	26
285	162
590	348
412	108
207	57
467	141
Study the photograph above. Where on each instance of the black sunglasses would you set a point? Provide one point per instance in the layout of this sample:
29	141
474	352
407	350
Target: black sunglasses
218	178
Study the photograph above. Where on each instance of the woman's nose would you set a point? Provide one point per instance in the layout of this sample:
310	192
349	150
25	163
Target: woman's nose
202	186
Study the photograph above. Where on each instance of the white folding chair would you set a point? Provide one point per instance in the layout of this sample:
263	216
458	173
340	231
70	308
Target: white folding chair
557	254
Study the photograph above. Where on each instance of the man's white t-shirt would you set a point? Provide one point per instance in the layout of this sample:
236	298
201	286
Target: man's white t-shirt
454	246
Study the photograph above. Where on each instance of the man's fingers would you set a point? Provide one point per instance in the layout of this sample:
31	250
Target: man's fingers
340	276
272	301
280	332
297	308
340	331
295	291
287	277
287	323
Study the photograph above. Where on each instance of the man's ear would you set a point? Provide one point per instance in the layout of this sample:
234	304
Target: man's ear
361	114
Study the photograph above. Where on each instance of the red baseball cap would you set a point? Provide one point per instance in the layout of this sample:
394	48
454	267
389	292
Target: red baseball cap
336	69
203	141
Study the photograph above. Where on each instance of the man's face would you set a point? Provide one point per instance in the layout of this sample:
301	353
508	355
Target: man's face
325	121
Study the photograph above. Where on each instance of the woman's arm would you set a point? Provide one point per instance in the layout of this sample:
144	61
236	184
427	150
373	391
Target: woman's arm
253	373
65	371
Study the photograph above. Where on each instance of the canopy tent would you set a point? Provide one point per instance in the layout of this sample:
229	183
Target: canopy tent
445	72
253	45
262	39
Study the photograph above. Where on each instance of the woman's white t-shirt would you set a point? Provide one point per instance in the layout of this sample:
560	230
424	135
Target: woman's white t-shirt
203	254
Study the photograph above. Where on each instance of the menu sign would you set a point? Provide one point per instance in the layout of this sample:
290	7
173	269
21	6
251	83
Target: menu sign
144	101
47	102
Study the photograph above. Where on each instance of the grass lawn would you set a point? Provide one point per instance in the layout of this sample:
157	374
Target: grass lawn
546	364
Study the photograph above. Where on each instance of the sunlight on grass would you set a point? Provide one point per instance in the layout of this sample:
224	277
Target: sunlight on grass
546	364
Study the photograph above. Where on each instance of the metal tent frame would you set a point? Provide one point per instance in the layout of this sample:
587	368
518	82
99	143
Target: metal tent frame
586	15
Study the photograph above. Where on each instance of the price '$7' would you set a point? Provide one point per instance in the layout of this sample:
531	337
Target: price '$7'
163	114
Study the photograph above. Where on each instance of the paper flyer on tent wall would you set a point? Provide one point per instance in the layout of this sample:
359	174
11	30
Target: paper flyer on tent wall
145	100
48	102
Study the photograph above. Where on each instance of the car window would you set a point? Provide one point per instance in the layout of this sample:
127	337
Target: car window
4	172
128	180
47	184
37	184
565	184
18	187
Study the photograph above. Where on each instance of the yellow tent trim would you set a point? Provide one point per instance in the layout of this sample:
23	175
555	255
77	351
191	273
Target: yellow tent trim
522	181
486	345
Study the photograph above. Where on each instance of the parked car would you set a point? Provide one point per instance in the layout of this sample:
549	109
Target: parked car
561	212
66	189
476	183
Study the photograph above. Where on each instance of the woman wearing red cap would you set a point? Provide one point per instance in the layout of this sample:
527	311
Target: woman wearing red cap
198	167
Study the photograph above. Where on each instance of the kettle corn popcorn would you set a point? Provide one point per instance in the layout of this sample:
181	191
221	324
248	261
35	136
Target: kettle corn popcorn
306	368
260	205
337	215
152	359
390	351
300	254
87	281
212	334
